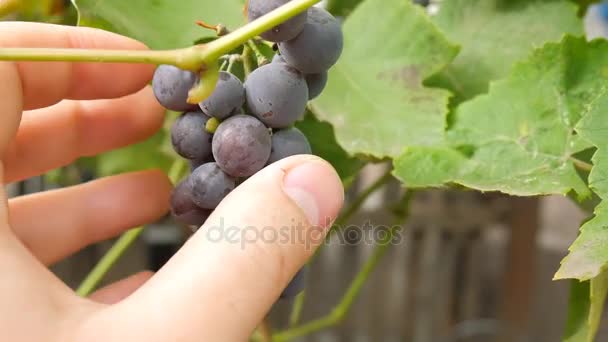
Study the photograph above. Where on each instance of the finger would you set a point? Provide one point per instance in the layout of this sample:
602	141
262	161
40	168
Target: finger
55	224
55	136
11	104
120	290
223	281
46	83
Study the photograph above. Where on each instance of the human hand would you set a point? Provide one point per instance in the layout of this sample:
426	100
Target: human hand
215	288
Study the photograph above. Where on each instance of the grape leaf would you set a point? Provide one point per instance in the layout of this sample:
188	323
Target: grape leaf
322	140
494	34
148	154
589	253
162	24
587	301
375	98
342	8
519	138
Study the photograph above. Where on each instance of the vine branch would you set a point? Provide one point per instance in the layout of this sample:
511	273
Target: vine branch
96	275
194	58
345	216
347	301
348	213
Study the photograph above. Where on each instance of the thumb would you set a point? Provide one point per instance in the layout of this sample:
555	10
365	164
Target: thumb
224	280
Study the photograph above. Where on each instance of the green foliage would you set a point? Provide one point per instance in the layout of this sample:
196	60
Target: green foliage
589	253
519	138
162	24
527	107
342	8
322	140
484	28
587	300
375	98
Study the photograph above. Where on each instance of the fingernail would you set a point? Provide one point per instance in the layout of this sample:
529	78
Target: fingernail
316	188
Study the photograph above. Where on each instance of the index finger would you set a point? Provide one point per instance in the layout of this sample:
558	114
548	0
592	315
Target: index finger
46	83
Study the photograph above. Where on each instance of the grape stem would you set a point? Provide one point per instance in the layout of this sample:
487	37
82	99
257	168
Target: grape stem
261	59
341	310
96	275
246	59
194	58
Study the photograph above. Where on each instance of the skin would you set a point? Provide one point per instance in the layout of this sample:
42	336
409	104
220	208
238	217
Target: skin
52	113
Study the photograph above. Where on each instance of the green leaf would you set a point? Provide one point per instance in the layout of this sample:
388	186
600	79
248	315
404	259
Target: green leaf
589	253
323	142
149	154
494	34
342	8
587	301
162	24
519	138
584	5
374	97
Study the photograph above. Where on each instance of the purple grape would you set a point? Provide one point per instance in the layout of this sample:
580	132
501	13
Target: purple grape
277	94
184	210
288	142
208	185
241	145
282	32
189	137
228	97
171	86
296	285
318	47
316	83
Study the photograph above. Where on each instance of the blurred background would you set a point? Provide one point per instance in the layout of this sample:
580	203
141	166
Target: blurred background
468	266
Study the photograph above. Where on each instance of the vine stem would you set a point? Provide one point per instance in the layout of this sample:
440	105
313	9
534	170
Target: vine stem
347	301
261	59
298	305
296	310
194	58
96	275
246	60
348	213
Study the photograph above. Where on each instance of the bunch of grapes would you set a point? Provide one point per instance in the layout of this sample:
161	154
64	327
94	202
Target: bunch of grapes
243	127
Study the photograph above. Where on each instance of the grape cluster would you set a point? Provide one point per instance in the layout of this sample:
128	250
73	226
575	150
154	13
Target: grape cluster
242	127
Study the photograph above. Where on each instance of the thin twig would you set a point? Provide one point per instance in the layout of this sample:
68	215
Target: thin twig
347	301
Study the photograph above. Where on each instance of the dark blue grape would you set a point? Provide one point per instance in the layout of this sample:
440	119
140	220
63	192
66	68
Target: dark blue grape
288	142
189	137
316	83
171	86
184	210
241	145
285	31
228	97
296	285
318	47
277	94
209	185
